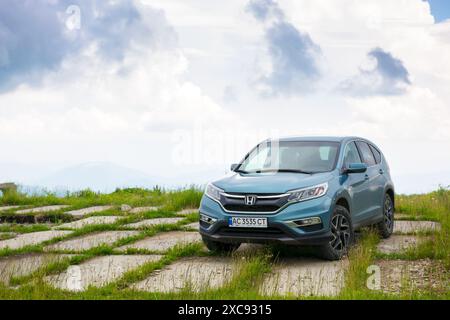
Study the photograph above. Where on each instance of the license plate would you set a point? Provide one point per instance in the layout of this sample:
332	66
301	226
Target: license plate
247	222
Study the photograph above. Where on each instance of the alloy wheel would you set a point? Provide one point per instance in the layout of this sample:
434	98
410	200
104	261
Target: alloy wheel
340	229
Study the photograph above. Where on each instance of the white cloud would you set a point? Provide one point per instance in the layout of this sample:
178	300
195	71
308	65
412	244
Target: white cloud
125	111
94	109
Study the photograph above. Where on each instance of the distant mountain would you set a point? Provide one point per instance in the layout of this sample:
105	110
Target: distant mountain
97	176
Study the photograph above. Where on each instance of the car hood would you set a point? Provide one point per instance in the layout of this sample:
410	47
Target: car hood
279	182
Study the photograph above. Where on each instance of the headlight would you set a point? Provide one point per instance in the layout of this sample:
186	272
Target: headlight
308	193
213	192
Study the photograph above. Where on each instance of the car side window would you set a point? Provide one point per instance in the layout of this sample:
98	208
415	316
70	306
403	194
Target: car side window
376	154
351	154
366	153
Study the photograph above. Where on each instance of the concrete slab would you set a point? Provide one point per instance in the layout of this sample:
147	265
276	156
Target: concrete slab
29	239
89	221
196	274
405	276
193	226
91	241
187	211
305	277
152	222
125	208
42	209
144	209
164	241
409	227
98	272
18	266
6	208
90	210
399	243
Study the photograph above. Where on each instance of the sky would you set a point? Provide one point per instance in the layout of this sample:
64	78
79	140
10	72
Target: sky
179	90
440	9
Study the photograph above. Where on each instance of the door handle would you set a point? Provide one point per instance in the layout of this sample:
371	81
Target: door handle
381	171
366	177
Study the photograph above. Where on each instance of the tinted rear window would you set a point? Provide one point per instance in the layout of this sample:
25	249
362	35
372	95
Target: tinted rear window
366	153
376	154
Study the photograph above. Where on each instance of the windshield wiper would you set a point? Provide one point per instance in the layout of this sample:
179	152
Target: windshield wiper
241	171
295	171
283	170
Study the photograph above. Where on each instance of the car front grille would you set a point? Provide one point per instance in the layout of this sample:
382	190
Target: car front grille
265	203
254	208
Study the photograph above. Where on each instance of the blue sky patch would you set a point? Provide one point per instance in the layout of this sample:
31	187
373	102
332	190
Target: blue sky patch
440	9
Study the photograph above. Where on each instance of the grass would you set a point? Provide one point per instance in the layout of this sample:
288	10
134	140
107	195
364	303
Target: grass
6	236
20	228
135	197
432	206
360	258
250	267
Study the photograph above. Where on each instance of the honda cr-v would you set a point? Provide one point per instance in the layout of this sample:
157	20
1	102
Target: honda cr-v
300	191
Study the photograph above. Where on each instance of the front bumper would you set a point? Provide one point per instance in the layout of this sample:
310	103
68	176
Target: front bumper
279	230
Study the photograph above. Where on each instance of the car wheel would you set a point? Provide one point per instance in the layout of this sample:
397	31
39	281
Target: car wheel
343	235
386	227
220	247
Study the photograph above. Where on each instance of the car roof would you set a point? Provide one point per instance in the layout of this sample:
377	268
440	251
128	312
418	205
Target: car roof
320	138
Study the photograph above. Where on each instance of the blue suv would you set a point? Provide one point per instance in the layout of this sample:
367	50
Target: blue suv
300	191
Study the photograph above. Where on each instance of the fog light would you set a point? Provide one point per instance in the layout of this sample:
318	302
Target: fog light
308	221
207	219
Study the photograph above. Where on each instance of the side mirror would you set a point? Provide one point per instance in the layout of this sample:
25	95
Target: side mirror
234	166
356	168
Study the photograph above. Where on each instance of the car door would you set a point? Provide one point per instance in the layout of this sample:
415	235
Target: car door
380	180
371	199
355	183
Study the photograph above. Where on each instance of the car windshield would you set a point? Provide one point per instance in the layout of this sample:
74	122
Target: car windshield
291	156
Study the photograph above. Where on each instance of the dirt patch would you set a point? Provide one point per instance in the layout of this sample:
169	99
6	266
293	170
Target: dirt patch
305	277
164	241
34	218
152	222
399	243
246	249
91	241
399	276
89	221
194	274
410	227
29	239
90	210
98	272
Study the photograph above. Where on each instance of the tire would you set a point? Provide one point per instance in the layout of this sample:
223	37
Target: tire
220	247
386	227
343	235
